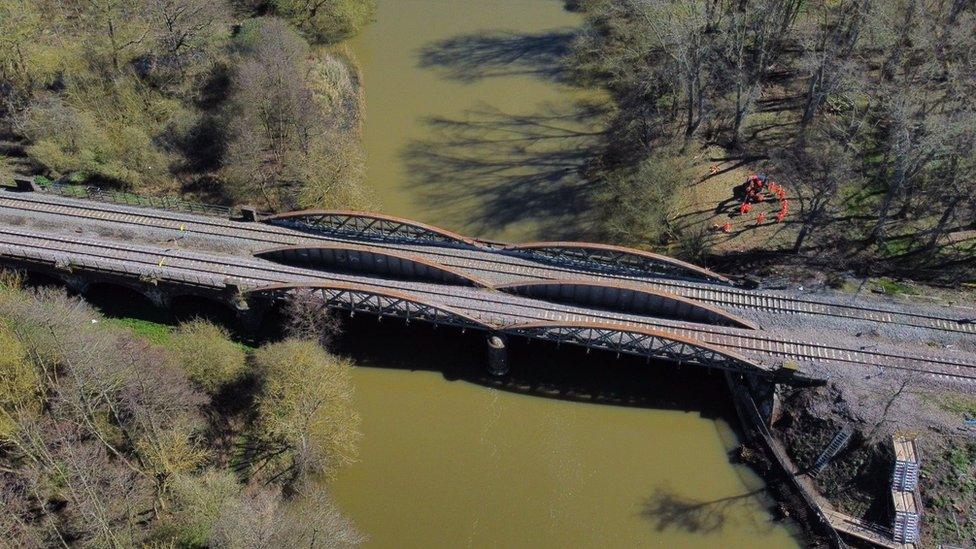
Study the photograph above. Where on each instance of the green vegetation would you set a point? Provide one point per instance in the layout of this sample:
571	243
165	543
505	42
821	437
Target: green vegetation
207	355
635	200
326	20
895	287
167	97
305	409
106	439
283	108
155	332
959	404
949	493
863	110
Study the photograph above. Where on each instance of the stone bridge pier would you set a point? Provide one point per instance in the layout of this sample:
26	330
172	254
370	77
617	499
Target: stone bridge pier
497	354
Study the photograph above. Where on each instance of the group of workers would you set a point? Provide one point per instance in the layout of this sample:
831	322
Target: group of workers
758	190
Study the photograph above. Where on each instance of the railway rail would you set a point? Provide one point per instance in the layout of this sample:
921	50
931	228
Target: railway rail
484	263
494	307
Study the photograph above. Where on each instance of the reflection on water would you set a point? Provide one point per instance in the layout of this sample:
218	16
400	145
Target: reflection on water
470	127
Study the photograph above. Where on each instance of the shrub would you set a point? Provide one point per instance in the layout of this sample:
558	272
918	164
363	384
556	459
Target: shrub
20	385
103	132
634	201
287	143
306	407
328	21
197	503
207	354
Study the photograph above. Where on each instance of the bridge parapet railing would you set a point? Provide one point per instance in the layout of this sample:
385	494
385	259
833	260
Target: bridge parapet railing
132	199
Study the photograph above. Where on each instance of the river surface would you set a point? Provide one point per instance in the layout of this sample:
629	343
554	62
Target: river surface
469	127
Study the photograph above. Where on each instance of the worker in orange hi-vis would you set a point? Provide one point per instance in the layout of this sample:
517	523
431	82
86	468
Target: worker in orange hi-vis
760	218
727	228
744	208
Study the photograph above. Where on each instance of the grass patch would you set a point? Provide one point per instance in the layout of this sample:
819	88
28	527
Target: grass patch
161	334
949	475
962	405
894	287
156	332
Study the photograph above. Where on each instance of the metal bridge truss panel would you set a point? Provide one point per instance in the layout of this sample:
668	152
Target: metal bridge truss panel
627	298
369	226
641	342
361	259
614	260
375	301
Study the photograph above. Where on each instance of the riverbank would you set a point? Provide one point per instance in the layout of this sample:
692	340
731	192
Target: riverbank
858	481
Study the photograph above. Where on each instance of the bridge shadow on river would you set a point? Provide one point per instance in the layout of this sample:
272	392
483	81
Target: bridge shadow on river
537	368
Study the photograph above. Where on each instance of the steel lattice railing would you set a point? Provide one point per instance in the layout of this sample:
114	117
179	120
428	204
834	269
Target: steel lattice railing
614	261
649	345
381	303
369	227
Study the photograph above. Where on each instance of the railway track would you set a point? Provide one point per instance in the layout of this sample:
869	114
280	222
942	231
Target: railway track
491	263
493	307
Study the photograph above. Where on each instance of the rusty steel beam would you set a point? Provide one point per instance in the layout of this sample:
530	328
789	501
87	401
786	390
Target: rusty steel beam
641	342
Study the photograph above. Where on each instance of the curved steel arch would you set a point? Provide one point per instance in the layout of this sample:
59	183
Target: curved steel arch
376	301
627	298
613	259
369	226
638	341
349	257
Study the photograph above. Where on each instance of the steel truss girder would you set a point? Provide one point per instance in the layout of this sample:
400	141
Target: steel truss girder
613	260
367	227
638	343
356	300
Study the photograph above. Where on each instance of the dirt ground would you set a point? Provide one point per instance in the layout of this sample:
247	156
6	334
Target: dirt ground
858	481
710	202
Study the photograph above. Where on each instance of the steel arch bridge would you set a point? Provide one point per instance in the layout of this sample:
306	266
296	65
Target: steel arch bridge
640	342
618	338
624	297
380	262
369	226
613	259
380	302
597	258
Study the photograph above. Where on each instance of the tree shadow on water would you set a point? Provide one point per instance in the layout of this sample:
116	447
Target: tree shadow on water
667	510
492	169
472	57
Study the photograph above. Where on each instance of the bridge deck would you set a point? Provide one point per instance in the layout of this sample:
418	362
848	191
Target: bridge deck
494	308
488	264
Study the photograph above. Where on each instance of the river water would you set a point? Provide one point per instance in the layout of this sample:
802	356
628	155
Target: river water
469	127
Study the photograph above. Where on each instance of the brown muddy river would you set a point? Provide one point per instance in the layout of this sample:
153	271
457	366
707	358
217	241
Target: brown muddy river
468	127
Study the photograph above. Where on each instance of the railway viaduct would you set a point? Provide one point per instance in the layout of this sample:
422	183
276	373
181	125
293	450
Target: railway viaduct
597	296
